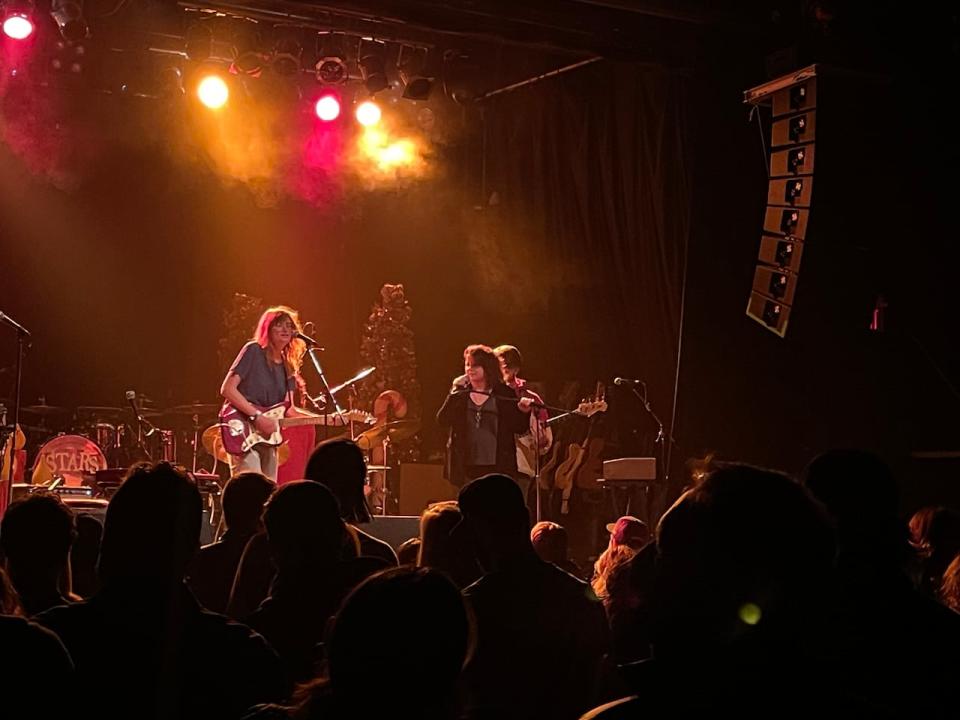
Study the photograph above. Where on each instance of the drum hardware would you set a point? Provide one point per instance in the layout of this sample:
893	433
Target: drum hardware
395	431
73	457
385	435
207	409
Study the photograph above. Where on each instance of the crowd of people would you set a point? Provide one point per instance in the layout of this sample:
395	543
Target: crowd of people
757	593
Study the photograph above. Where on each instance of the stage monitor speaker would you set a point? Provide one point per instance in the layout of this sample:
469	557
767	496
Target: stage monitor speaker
422	484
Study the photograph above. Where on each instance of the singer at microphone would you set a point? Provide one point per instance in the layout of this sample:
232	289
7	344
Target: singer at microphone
483	416
308	340
263	375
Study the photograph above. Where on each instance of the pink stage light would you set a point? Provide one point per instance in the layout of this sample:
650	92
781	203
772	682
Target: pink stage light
328	108
18	26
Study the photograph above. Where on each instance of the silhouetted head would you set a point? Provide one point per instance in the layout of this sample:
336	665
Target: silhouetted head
416	660
152	527
747	551
551	542
629	531
860	494
9	601
303	525
436	524
243	499
442	549
408	551
339	465
36	534
496	517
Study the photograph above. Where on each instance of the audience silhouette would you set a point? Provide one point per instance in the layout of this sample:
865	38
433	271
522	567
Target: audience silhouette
143	647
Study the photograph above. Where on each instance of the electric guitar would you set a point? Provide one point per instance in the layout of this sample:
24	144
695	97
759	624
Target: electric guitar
240	435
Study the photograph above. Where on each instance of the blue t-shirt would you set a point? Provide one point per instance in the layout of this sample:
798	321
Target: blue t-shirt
262	381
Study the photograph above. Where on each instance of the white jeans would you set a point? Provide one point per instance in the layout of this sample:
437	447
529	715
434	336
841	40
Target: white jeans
261	458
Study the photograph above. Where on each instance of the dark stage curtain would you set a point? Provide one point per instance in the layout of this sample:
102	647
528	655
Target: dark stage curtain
586	179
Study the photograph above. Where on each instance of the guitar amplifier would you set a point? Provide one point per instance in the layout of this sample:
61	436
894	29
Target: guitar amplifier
635	469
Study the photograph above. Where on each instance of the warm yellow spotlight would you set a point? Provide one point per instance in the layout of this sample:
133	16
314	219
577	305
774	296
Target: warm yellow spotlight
368	113
213	92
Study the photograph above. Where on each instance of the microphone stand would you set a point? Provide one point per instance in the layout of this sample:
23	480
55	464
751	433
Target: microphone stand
312	352
22	335
661	436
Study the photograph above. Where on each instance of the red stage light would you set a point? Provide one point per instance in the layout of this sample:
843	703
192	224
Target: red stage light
18	26
328	108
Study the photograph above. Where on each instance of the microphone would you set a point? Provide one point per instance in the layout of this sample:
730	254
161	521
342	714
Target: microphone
308	340
627	381
131	396
14	324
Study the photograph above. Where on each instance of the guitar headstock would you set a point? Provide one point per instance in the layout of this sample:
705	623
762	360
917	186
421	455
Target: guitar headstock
588	408
358	416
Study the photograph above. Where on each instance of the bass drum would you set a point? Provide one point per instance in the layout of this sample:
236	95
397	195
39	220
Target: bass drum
69	456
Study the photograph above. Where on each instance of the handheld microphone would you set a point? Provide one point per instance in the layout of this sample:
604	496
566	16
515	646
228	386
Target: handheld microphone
308	340
131	396
627	381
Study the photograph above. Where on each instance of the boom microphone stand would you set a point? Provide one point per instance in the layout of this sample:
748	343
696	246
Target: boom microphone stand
22	335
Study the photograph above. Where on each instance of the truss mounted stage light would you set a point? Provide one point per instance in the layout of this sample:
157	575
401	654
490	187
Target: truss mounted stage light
68	15
198	42
18	20
287	51
416	72
331	63
373	66
213	92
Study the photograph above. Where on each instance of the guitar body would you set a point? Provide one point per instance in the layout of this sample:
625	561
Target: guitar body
547	471
238	433
591	466
240	436
566	473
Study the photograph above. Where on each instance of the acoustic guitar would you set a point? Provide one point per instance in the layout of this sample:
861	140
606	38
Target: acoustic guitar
567	471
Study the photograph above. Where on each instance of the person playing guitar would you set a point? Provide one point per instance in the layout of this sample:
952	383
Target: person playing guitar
510	365
263	375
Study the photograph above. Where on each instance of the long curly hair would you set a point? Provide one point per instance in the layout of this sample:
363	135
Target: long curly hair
294	352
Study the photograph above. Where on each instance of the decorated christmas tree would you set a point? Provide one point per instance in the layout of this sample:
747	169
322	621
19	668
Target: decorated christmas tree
388	345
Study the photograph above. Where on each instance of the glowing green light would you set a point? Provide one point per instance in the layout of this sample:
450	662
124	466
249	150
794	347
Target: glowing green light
750	613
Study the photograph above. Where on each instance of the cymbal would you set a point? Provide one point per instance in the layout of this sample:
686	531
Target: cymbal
43	409
102	412
396	431
194	409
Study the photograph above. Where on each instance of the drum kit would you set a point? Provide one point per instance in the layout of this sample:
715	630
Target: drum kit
75	445
75	449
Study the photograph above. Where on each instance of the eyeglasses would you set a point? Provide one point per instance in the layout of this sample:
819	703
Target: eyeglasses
284	325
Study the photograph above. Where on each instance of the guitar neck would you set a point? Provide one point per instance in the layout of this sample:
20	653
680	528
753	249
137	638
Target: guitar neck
301	421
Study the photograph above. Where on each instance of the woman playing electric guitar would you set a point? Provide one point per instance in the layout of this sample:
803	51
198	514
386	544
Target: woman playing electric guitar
264	374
